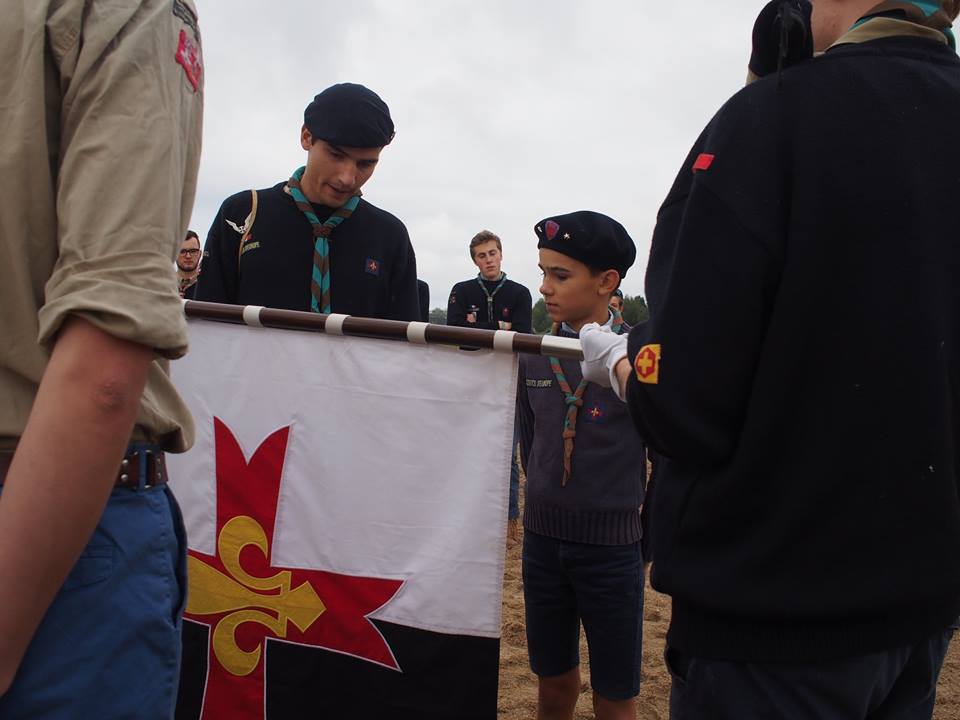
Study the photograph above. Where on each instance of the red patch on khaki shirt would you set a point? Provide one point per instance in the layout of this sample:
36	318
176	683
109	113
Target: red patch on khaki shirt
188	55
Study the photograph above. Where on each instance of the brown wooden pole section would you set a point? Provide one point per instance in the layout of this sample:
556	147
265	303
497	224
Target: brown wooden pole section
381	329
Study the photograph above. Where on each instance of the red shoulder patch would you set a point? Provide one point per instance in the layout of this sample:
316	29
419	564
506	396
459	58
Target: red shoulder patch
188	55
703	162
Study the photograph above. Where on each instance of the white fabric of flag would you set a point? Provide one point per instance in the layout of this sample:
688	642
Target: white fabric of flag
397	465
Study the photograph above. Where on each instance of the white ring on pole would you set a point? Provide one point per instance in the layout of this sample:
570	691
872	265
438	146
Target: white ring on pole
251	315
555	342
503	340
334	324
417	333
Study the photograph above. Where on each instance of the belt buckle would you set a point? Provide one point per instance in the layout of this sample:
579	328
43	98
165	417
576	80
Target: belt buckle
145	477
149	473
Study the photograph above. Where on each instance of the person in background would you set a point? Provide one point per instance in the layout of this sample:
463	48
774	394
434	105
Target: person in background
490	301
423	294
188	265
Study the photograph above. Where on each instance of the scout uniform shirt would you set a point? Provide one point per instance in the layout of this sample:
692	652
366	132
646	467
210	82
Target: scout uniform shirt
87	232
373	269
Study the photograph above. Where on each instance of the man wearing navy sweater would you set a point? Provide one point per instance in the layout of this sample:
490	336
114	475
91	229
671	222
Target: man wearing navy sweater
805	518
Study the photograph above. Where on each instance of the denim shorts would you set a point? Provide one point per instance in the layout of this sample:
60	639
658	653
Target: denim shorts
109	645
566	583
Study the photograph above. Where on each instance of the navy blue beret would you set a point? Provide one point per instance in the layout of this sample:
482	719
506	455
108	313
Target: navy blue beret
349	115
594	239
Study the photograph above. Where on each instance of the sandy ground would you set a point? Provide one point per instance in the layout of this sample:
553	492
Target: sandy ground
518	686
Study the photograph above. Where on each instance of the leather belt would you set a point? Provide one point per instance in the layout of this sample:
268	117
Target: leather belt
142	467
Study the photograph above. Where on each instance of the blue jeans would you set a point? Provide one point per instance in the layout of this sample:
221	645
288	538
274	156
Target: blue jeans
109	645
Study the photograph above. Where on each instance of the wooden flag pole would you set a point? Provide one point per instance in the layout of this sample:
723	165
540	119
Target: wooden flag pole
419	333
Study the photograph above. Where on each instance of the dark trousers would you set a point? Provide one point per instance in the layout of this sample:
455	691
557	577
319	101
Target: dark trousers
897	684
513	509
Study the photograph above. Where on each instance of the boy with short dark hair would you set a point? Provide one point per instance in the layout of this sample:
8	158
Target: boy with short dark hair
585	478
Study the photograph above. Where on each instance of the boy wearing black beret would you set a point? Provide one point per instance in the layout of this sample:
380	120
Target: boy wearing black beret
585	478
311	243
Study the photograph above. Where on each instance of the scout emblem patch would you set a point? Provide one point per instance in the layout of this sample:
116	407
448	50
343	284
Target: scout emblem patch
552	229
647	364
188	55
595	414
372	267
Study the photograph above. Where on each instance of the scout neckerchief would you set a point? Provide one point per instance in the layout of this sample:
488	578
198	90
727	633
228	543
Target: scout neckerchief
503	279
185	283
320	281
927	14
574	399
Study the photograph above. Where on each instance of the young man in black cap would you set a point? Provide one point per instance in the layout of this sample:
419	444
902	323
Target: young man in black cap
585	481
311	243
492	302
805	517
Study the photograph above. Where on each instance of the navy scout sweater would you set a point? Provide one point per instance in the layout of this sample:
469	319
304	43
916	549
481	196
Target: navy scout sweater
373	270
601	502
804	291
511	303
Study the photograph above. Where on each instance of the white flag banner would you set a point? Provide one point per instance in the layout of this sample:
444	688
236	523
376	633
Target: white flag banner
393	462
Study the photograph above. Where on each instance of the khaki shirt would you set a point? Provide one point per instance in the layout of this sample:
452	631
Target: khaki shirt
100	110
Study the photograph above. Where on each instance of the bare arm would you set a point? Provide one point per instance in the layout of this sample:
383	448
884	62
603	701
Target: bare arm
62	473
622	370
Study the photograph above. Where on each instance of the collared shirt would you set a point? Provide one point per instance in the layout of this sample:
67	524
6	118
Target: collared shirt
607	325
101	108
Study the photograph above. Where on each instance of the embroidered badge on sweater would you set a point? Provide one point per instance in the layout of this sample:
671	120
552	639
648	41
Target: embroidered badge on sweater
372	267
595	414
531	383
647	364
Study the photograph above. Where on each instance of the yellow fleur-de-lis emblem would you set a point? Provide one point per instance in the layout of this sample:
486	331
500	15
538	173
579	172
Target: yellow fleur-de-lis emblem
245	598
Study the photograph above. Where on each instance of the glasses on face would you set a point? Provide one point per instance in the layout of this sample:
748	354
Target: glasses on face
190	253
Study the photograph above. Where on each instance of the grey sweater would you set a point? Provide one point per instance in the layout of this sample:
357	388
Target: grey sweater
601	502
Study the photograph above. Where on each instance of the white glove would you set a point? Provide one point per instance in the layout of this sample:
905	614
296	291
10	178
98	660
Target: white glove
602	350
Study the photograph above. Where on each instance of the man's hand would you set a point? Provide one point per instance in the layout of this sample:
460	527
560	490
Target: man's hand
602	350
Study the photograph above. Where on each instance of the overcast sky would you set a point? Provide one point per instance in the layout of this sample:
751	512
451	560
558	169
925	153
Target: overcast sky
506	111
